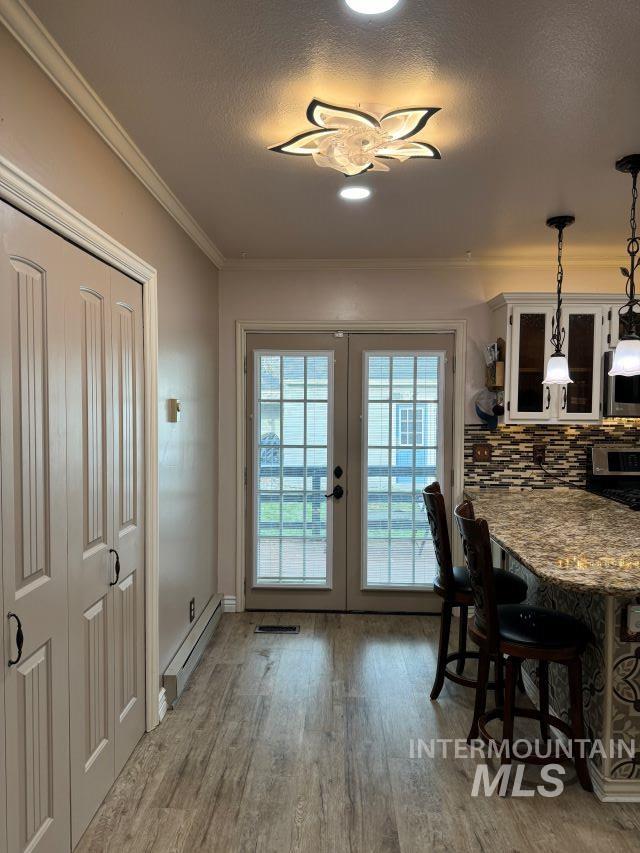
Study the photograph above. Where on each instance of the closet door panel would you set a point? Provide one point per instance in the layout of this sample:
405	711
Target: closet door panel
91	565
34	529
128	512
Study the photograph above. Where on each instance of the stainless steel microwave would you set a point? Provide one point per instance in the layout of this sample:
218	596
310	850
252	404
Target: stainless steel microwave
621	393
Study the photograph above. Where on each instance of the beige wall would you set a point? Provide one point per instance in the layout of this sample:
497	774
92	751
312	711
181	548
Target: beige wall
46	137
343	296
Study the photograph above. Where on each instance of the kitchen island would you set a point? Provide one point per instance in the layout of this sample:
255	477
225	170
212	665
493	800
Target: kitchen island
580	554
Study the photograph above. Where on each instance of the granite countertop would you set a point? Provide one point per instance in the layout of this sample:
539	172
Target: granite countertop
568	537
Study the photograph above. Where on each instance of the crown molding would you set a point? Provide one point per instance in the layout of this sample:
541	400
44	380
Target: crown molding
484	263
28	30
549	296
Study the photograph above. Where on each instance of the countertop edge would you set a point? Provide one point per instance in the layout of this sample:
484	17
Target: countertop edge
611	591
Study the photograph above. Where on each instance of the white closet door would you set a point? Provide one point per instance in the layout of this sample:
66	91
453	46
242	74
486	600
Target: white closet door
91	565
105	393
128	513
33	269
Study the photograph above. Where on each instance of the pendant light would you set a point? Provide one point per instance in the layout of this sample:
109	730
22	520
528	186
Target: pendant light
557	366
626	359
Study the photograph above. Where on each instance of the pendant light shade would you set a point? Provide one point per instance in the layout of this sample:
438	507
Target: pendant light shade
557	370
558	366
626	359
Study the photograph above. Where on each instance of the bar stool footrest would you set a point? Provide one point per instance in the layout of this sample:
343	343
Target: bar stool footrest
453	657
530	714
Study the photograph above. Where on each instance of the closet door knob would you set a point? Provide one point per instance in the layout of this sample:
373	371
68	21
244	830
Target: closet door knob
113	551
19	638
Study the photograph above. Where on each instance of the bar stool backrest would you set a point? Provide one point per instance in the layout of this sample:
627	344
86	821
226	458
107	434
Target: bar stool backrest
477	549
437	517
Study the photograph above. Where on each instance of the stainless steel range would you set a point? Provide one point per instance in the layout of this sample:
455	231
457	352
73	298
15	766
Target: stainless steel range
616	473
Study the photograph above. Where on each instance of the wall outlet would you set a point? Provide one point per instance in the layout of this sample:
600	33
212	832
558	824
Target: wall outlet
482	453
633	619
539	454
192	610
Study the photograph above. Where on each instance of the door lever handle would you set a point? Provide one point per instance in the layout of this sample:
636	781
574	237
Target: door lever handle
337	493
19	638
113	551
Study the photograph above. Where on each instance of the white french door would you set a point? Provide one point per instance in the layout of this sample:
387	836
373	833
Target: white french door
343	433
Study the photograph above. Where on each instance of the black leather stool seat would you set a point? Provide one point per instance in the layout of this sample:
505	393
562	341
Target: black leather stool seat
510	589
537	626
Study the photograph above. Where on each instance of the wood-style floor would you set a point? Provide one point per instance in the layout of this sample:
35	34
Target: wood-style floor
301	743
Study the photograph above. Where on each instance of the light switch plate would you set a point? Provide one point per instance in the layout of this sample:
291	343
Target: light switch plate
173	407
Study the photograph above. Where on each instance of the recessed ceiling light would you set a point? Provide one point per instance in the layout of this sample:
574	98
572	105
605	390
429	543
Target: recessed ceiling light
355	193
371	7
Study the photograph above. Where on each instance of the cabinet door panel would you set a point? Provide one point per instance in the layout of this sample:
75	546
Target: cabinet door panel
34	523
581	399
530	399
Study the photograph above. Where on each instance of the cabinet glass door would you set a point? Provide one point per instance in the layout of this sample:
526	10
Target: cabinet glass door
530	399
581	399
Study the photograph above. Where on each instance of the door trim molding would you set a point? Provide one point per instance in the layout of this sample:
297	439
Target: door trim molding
23	192
244	327
31	34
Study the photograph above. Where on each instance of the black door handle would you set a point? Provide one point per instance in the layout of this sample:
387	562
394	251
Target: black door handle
337	493
113	551
19	637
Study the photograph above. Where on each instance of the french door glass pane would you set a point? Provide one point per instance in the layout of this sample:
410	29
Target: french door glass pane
292	455
402	430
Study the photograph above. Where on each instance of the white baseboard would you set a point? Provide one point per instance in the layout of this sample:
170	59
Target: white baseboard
614	790
186	659
162	703
229	603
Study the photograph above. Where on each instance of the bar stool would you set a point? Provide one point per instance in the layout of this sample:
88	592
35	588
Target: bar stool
521	633
453	586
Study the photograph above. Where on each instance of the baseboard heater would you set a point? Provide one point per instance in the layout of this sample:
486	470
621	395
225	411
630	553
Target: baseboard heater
186	658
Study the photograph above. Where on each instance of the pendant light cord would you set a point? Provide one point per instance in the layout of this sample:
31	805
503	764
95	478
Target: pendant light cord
569	483
633	248
557	332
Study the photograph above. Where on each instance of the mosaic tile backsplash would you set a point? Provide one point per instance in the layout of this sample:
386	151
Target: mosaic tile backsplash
566	452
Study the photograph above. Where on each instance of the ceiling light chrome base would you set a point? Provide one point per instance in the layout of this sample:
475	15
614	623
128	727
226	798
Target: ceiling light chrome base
561	221
629	164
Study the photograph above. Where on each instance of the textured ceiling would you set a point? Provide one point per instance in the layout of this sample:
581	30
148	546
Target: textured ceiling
538	100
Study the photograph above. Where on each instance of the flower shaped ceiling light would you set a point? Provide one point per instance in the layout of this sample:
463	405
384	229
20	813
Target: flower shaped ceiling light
353	142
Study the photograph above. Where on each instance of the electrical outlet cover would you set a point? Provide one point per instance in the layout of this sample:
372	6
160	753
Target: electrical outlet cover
482	453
